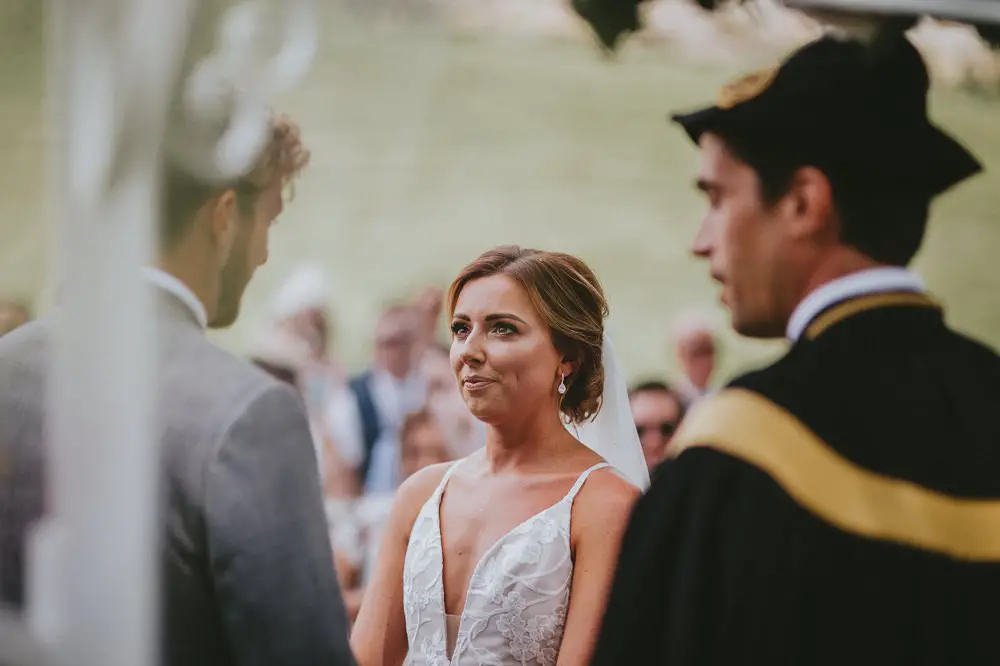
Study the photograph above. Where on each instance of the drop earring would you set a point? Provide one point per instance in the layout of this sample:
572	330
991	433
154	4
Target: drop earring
562	384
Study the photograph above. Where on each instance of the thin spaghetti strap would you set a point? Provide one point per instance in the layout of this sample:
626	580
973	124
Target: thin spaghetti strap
581	480
447	475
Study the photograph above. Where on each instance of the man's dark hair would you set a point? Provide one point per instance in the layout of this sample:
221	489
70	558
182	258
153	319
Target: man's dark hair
654	385
657	386
885	223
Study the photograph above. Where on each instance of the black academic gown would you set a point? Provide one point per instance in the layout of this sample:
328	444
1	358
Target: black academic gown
868	548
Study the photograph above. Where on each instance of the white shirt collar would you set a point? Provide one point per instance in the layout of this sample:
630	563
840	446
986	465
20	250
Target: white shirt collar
869	281
169	283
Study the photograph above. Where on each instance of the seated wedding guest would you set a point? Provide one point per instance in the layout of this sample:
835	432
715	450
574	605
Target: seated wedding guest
657	411
247	569
13	315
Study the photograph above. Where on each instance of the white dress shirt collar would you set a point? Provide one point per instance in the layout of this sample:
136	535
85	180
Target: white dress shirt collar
172	285
869	281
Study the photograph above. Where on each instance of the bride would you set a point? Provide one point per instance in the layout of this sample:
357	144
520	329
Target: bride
506	557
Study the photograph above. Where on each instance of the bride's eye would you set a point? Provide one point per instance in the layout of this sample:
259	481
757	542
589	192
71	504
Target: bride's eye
459	329
504	328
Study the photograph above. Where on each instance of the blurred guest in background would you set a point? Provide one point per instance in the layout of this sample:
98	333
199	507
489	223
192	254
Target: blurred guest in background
358	532
384	394
657	411
301	307
13	314
422	443
427	308
695	346
298	329
288	358
464	432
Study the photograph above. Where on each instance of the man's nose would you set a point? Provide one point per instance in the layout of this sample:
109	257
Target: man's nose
701	246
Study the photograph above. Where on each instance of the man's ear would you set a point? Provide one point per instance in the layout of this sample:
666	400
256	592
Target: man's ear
222	222
810	202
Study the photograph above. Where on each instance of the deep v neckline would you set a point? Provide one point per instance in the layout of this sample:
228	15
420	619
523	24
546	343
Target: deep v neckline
489	551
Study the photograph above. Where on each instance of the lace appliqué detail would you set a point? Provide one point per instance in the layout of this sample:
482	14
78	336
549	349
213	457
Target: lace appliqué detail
536	638
432	649
421	602
518	596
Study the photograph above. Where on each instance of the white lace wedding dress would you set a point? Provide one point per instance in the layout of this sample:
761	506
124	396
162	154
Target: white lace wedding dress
515	608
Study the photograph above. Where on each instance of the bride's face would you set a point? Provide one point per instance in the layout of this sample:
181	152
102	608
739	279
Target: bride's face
502	352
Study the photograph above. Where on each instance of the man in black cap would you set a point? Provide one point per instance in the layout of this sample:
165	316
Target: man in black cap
841	506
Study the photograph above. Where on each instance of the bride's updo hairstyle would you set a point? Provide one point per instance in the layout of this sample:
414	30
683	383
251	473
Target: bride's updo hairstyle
569	299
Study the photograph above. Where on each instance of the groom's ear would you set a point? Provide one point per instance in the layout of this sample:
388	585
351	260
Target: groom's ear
222	222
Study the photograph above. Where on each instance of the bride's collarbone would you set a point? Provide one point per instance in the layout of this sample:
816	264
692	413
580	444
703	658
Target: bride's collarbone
499	504
477	514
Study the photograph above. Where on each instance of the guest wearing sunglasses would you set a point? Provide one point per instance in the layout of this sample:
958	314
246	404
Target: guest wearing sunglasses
657	410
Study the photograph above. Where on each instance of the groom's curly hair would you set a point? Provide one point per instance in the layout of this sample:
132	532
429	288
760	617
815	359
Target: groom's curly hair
279	163
570	300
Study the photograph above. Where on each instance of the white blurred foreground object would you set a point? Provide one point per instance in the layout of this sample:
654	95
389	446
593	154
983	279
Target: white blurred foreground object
127	87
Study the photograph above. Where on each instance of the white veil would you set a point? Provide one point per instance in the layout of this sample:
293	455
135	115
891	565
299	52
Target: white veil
612	434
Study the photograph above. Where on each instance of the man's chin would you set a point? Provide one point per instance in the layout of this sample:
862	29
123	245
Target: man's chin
756	329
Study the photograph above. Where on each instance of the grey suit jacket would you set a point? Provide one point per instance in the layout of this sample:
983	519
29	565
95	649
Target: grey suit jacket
248	575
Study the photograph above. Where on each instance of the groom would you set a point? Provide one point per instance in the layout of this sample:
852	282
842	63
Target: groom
841	506
247	567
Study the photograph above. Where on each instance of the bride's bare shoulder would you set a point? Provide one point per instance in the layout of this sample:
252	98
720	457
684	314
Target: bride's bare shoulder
606	496
414	492
422	484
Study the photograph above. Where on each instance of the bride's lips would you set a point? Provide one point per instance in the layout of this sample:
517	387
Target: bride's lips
476	383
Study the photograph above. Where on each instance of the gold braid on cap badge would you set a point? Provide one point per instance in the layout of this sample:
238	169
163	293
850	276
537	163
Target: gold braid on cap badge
745	88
